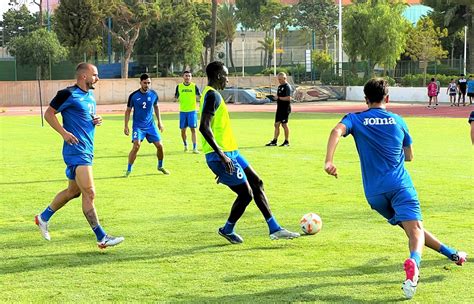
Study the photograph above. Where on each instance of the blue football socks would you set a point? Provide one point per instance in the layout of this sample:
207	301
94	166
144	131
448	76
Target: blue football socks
160	163
99	232
417	257
228	227
194	146
447	251
47	214
273	225
129	167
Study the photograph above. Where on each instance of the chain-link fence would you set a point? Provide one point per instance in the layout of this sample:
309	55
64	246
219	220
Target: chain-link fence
296	61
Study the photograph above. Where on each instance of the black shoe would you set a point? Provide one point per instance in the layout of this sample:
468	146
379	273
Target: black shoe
273	143
285	144
233	238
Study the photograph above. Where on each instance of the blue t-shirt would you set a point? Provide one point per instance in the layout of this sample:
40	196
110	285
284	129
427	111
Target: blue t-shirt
380	136
470	86
77	108
142	104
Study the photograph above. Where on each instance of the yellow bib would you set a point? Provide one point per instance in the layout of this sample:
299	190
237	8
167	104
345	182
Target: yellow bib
220	126
187	97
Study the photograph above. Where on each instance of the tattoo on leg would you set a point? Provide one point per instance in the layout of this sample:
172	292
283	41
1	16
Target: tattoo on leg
91	217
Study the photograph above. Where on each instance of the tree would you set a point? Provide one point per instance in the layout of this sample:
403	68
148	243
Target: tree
269	19
128	18
228	23
213	28
269	16
379	40
76	24
18	23
322	61
248	12
38	48
320	16
266	45
175	37
203	10
455	14
424	43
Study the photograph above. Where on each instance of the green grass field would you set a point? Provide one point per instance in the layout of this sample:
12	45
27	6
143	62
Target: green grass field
172	252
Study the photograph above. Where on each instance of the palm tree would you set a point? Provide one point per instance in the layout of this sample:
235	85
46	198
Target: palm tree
453	11
228	23
266	45
213	28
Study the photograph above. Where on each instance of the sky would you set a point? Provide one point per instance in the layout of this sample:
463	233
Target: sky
4	6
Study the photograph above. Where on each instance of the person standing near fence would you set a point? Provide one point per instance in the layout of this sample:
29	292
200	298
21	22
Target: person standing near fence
452	91
78	110
470	88
432	94
186	93
462	85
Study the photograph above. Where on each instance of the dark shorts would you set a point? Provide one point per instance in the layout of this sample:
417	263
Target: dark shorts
282	114
397	206
462	92
470	94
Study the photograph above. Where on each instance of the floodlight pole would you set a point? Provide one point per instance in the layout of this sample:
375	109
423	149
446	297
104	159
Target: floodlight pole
243	53
465	48
48	16
274	52
340	38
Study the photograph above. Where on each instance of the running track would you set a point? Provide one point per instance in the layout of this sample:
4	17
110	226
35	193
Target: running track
403	109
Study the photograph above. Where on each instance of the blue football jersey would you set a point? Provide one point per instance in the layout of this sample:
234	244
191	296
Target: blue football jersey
380	136
470	86
142	104
77	108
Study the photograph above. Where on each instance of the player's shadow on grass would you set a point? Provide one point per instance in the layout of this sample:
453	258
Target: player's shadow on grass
315	292
64	180
370	267
27	263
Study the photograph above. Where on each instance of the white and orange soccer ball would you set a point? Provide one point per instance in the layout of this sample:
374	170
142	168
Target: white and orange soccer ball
311	223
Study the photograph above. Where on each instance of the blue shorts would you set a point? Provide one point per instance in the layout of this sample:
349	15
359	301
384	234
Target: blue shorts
73	161
188	120
397	206
234	179
151	134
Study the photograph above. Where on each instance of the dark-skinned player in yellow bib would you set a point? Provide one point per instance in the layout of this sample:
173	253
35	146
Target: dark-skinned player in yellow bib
224	159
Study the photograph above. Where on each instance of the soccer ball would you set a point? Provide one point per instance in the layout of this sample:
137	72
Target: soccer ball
311	223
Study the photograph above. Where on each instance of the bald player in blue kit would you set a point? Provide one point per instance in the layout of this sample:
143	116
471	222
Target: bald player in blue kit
78	109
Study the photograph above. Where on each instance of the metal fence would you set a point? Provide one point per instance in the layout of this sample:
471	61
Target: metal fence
294	60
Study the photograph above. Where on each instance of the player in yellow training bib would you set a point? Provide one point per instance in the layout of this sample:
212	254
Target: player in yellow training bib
224	159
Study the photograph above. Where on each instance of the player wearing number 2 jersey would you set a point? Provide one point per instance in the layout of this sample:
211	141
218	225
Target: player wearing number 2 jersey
224	159
144	101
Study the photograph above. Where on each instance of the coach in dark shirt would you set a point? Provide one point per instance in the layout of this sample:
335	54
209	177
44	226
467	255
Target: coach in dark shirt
283	100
